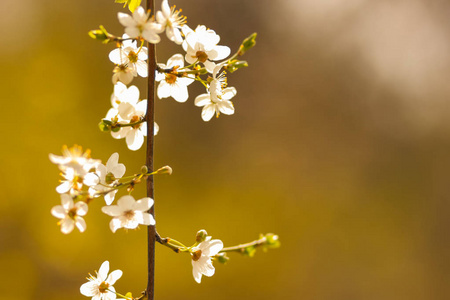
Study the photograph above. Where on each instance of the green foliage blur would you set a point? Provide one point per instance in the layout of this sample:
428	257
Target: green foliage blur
340	145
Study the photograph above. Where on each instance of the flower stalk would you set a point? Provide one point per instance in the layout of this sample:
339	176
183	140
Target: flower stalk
150	118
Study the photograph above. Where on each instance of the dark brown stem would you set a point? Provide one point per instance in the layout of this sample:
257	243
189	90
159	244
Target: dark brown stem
150	118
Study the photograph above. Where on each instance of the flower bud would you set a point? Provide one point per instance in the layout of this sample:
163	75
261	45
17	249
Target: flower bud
100	35
104	127
222	258
144	170
201	236
164	170
235	64
247	44
272	240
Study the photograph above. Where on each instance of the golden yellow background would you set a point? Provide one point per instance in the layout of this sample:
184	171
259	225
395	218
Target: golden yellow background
340	144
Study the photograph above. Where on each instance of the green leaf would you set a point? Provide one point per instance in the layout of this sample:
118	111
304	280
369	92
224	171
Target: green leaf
248	43
133	4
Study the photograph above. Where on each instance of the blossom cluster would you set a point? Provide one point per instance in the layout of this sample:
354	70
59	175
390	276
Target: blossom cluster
85	179
202	54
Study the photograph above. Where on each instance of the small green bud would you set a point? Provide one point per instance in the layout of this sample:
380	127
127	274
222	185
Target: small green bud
144	170
201	236
100	35
222	258
115	129
235	64
249	251
104	126
272	241
247	44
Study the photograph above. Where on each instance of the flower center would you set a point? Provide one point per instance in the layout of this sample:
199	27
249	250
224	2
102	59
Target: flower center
129	214
103	287
202	56
72	213
133	57
196	255
170	78
109	178
135	119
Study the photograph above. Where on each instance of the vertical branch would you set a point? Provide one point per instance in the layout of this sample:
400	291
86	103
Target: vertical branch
150	118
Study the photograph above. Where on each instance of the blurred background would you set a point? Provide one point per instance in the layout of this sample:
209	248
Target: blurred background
340	144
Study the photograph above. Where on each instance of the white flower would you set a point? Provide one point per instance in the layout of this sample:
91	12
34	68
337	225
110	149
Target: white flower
73	182
170	84
74	158
140	25
171	20
217	100
108	176
201	46
131	112
129	54
70	214
101	287
201	258
123	94
129	213
124	73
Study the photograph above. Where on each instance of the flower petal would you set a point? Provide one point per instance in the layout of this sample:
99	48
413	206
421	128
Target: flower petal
59	212
112	210
226	107
67	225
81	224
202	100
143	204
114	276
89	289
208	112
126	20
147	219
103	271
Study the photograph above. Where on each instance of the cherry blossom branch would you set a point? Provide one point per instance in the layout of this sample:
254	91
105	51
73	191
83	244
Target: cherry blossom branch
150	118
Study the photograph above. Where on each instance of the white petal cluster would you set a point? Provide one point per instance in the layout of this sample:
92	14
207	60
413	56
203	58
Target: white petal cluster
201	46
217	99
140	25
108	176
171	85
101	287
201	258
71	214
130	61
126	109
129	213
74	158
75	166
171	20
